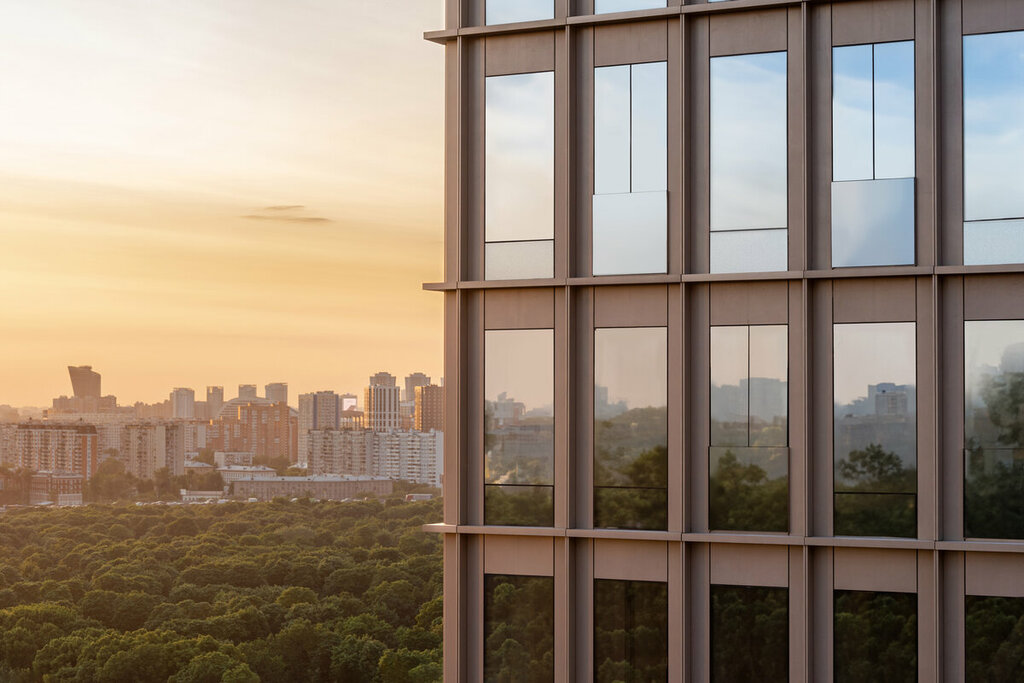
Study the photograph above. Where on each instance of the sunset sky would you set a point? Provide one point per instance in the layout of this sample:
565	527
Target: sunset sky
199	192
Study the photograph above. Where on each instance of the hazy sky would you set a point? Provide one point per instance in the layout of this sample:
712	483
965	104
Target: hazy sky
200	192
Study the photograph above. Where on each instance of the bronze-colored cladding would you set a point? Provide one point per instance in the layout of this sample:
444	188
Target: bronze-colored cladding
631	43
867	21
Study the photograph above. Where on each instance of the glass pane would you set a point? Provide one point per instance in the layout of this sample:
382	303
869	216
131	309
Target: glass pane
520	157
748	142
995	639
730	372
508	11
749	251
873	223
994	428
519	505
621	507
993	126
518	413
875	637
611	129
875	514
630	631
606	6
769	384
749	634
894	110
852	113
631	420
519	628
650	126
630	234
991	242
749	489
519	260
875	417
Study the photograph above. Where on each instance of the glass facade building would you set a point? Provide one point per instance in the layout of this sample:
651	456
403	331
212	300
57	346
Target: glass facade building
734	340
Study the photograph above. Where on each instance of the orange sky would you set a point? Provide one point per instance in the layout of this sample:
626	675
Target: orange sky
200	192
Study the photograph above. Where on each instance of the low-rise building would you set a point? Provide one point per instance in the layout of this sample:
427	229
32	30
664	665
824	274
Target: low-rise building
321	487
230	473
60	488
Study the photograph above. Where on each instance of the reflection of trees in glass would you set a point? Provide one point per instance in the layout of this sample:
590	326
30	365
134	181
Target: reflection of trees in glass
631	470
749	634
875	637
630	631
995	640
519	629
742	496
519	452
866	480
519	505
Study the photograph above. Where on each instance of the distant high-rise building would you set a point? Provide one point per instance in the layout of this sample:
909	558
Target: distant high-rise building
85	381
55	448
183	403
277	392
261	428
247	391
382	403
408	455
348	401
318	410
214	401
148	447
416	379
429	408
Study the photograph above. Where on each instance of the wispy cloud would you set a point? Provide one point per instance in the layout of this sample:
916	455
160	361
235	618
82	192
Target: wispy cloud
289	213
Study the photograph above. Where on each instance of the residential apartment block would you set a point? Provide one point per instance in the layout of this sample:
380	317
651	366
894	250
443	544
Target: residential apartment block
734	340
397	454
62	448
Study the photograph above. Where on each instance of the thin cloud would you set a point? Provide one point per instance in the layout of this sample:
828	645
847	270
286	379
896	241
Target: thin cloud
283	207
288	219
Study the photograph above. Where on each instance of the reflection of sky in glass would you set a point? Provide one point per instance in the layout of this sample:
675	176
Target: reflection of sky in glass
611	129
993	125
632	362
508	11
748	142
520	152
872	353
649	107
630	128
894	110
520	364
852	113
606	6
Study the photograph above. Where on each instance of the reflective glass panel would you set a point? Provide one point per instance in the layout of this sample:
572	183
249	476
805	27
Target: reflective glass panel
519	260
508	11
852	113
748	142
629	233
749	251
520	157
748	489
649	105
630	427
994	428
875	429
749	634
769	383
993	126
518	423
894	110
875	637
612	129
749	382
873	222
519	505
991	242
995	639
519	628
606	6
630	631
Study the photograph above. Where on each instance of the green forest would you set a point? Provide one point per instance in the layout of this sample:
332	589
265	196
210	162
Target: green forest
280	591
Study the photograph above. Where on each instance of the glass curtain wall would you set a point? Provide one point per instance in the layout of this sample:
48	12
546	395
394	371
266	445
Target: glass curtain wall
749	634
509	11
994	639
875	637
630	631
519	628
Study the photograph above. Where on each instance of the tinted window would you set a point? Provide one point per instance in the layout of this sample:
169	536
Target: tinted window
630	631
875	429
995	639
630	427
519	628
749	634
519	427
875	637
994	428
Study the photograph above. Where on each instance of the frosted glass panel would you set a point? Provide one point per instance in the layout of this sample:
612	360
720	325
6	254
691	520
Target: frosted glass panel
991	242
749	251
508	11
873	222
519	260
630	233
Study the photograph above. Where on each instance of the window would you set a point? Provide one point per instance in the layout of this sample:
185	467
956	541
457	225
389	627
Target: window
519	427
749	634
519	628
995	639
520	176
606	6
749	485
875	429
508	11
993	148
749	168
630	166
631	428
875	637
994	429
630	631
873	154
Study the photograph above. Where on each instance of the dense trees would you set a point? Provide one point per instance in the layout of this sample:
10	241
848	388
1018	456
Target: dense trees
236	592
